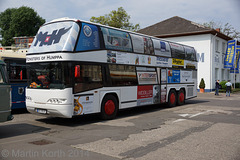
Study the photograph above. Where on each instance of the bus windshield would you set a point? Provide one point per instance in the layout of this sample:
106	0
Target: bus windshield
54	75
55	37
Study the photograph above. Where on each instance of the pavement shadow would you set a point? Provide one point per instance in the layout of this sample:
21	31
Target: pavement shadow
19	111
71	122
195	101
12	130
94	118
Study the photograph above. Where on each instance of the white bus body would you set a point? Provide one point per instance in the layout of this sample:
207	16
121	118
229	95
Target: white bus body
70	75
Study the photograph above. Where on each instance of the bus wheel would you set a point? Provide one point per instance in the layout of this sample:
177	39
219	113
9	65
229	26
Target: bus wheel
109	107
172	98
181	97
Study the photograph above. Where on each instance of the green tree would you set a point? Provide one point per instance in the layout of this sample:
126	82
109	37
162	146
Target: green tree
226	29
118	19
15	22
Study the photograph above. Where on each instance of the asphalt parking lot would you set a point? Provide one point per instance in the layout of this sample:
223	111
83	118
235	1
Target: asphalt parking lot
206	127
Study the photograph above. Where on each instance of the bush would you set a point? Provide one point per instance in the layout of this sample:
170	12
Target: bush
223	89
236	90
222	83
202	84
237	85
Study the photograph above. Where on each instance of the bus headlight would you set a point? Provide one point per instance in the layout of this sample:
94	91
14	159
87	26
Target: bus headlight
57	100
28	98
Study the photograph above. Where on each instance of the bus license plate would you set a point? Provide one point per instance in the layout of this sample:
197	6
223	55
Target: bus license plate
41	111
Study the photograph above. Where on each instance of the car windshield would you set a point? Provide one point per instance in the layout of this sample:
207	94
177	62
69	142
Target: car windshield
55	75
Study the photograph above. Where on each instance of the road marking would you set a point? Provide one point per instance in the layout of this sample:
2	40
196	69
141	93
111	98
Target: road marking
120	122
193	115
186	115
178	120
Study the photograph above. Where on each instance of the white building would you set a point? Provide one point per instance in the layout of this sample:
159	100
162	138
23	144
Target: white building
210	46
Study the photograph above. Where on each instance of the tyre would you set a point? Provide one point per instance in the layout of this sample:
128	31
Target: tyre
172	99
109	107
181	97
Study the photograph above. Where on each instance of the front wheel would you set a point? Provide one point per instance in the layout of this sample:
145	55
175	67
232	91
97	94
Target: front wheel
109	107
172	98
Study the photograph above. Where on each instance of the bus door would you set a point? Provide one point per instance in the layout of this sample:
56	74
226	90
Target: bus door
162	73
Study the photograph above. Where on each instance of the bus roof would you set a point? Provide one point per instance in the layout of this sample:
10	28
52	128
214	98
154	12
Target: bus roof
98	24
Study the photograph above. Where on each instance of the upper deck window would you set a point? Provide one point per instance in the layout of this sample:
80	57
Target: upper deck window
161	48
116	40
177	51
142	44
190	53
60	36
89	38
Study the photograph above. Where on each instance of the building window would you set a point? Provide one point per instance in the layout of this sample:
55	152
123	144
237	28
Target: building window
216	73
223	56
216	58
223	48
217	46
223	75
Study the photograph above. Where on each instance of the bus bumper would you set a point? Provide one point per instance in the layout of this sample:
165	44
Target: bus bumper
51	110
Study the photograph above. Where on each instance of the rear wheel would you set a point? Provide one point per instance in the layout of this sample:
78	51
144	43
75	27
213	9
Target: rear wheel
109	107
172	98
181	97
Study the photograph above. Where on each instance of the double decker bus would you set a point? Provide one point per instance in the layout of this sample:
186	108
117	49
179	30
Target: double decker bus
77	67
5	94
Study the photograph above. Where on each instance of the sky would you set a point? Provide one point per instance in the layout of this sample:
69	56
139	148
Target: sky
143	12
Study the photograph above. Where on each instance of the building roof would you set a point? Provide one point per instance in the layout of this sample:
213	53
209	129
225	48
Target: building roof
177	26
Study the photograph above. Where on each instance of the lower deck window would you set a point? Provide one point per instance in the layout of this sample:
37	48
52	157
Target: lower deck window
123	75
89	77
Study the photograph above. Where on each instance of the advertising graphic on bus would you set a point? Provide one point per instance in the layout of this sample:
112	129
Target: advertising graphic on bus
77	67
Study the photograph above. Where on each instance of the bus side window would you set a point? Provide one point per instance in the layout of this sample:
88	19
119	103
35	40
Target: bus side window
122	75
87	77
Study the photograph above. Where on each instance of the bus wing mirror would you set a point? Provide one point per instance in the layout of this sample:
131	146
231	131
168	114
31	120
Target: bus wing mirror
77	71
